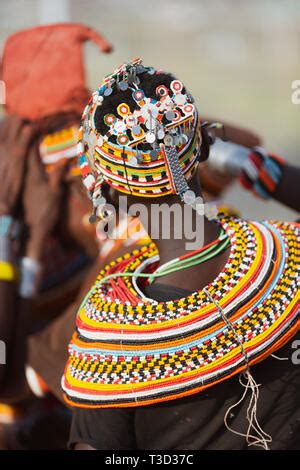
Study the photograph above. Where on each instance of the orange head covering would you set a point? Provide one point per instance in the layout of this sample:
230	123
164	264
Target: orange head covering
43	69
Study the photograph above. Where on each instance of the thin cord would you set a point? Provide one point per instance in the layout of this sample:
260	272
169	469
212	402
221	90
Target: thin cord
279	358
197	259
177	263
262	438
125	168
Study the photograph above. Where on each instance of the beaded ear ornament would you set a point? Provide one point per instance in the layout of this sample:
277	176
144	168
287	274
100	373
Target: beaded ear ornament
148	151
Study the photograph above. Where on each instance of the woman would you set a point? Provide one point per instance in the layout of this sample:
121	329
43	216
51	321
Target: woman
164	331
46	241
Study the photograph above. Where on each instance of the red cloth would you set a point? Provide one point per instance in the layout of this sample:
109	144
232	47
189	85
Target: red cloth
43	69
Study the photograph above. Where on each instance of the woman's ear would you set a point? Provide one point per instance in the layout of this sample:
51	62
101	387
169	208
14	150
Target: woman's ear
205	145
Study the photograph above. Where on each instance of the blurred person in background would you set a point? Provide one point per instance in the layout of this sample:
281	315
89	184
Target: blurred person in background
43	211
266	175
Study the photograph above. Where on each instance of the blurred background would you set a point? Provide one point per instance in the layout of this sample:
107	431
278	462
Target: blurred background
238	58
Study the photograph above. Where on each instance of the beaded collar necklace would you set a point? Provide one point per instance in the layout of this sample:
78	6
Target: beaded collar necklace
138	352
259	276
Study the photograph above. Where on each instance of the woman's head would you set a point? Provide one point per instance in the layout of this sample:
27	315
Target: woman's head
140	135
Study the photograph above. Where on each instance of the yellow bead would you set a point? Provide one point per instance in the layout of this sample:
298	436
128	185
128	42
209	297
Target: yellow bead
7	271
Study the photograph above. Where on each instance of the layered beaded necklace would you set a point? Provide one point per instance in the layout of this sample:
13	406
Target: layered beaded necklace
133	351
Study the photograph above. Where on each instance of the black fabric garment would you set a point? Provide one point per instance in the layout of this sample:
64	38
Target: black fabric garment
197	422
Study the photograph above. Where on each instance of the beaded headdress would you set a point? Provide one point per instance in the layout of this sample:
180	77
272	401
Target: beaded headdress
149	149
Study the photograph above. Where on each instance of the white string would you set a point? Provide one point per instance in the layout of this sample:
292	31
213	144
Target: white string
261	438
279	358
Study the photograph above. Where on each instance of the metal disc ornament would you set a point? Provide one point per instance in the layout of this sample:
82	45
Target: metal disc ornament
133	161
150	137
160	134
140	69
184	138
153	154
92	219
123	85
108	91
170	115
140	158
136	130
168	140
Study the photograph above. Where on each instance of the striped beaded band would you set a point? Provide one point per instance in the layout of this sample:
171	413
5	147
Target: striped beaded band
60	146
137	352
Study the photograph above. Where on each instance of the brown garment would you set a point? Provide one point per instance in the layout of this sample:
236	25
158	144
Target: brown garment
47	349
55	81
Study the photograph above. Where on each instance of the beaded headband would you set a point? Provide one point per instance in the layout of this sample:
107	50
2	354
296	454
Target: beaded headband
149	151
